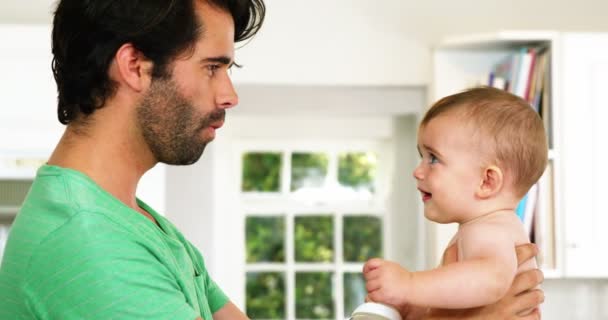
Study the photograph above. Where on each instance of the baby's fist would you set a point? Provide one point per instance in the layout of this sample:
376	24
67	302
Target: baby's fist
386	282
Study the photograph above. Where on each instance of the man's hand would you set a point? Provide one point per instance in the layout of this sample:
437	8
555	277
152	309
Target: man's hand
386	282
520	303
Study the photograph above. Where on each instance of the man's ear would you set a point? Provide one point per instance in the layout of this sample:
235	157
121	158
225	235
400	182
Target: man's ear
132	68
491	183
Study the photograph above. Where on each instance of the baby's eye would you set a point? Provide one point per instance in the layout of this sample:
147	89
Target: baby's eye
433	159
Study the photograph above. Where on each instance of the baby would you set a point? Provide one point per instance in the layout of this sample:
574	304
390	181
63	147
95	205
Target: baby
481	151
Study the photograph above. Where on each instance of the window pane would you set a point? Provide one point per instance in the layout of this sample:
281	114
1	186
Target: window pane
357	170
362	238
313	238
265	239
265	295
308	170
354	292
314	298
261	172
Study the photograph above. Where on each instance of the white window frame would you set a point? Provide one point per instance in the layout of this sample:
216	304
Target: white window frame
283	204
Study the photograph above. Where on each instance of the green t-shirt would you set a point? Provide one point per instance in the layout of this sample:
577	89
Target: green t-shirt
76	252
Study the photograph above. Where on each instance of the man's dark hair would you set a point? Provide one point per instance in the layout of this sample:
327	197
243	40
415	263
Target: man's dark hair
87	34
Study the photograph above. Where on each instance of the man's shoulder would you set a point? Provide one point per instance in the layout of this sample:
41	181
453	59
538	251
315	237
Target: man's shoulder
65	205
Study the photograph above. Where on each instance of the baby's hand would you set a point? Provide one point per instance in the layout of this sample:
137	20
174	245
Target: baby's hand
387	282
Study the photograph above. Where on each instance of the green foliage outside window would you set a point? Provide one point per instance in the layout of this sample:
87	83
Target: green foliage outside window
357	170
265	295
354	292
308	170
261	172
314	239
362	238
314	299
265	239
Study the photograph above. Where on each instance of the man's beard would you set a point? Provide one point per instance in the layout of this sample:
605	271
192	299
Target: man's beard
171	125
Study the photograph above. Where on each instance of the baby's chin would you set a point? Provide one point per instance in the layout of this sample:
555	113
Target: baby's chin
435	216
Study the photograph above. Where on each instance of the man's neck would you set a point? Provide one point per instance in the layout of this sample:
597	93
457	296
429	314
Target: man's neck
108	158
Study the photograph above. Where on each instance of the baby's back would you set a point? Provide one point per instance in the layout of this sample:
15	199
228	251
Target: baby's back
507	223
520	236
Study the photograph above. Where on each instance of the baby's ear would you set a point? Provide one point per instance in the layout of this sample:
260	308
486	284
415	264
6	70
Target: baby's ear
491	183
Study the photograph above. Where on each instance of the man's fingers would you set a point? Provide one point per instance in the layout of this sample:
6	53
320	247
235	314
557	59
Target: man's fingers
528	301
535	315
526	252
525	281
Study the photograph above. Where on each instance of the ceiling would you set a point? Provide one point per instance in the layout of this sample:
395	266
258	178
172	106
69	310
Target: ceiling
426	20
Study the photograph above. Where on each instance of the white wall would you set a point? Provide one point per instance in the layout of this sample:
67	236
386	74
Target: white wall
28	120
575	299
330	43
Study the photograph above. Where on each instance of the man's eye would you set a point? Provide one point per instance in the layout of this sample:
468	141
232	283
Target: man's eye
212	68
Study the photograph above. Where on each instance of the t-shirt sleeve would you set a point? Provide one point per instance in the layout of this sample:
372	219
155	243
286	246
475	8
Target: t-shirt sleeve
216	298
101	275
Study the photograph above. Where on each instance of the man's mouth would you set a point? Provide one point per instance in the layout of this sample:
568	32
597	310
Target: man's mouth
217	125
214	120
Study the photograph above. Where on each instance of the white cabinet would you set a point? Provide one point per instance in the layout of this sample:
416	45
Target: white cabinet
584	76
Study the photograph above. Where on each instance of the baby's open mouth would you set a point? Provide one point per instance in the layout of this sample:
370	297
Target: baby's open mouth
425	195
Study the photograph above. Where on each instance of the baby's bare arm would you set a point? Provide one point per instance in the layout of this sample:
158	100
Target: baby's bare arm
486	267
482	277
521	297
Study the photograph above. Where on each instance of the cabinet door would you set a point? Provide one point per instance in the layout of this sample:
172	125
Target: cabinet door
585	153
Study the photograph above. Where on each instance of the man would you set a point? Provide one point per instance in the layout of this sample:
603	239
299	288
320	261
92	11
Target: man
139	82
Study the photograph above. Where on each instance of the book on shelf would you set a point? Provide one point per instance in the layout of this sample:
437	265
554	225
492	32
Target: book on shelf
544	100
536	212
544	225
521	207
524	73
530	209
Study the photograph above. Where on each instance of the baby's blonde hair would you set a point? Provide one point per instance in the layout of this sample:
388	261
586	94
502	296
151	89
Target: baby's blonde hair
519	141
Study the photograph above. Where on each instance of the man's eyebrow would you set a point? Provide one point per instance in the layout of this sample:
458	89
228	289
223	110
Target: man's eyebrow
221	60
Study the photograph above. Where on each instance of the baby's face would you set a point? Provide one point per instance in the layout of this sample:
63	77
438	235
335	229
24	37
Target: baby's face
450	169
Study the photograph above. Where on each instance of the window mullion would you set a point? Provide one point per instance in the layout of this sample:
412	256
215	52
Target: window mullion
338	274
286	173
290	270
